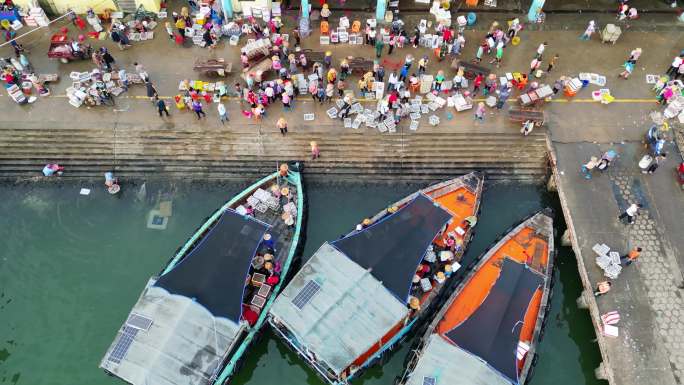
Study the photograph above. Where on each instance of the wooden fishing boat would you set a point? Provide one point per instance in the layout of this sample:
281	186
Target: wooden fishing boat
488	330
358	296
193	323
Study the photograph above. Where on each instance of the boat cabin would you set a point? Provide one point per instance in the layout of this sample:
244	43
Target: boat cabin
488	330
360	294
189	320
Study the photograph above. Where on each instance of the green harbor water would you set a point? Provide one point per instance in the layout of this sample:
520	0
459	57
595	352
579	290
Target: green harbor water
71	267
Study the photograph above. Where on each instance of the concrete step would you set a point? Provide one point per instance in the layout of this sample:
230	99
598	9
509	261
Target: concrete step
140	152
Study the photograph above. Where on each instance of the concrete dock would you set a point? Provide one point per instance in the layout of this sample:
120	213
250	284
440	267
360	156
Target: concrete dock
648	293
134	142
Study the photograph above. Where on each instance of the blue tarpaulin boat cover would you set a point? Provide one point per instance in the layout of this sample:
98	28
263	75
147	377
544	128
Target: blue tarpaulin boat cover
393	247
213	273
493	331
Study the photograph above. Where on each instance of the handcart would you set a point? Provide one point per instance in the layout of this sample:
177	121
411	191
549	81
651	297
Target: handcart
536	97
213	67
527	114
470	70
313	56
360	65
529	117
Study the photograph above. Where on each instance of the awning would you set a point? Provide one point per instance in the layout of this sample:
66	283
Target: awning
213	273
393	247
493	331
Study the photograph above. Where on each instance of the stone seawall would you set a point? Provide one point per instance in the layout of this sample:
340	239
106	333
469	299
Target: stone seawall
223	154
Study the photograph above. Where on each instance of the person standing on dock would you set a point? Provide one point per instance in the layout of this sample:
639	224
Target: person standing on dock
591	28
602	288
281	124
197	107
161	107
504	94
379	45
315	151
631	213
480	112
540	50
222	113
552	63
630	257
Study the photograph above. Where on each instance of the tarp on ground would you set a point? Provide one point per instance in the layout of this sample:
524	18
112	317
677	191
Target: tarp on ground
393	247
493	331
213	273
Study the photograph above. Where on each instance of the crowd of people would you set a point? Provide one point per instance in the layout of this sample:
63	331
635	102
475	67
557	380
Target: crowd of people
328	79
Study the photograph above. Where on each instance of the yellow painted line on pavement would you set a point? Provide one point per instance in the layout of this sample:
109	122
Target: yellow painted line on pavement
366	100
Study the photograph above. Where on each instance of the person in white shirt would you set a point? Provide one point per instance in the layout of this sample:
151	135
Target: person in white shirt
222	113
325	12
675	65
591	28
393	80
540	49
631	213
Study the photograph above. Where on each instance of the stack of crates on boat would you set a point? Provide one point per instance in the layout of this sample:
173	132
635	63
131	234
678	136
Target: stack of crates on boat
16	94
262	200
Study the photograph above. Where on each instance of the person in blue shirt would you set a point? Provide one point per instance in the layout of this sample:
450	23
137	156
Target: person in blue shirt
403	73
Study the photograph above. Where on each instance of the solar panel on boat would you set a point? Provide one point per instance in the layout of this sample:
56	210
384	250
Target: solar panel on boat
125	340
138	321
304	296
429	381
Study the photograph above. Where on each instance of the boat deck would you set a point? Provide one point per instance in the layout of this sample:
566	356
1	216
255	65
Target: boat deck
525	246
283	236
498	308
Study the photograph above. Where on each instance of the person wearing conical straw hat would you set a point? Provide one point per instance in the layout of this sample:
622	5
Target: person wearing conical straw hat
281	124
315	151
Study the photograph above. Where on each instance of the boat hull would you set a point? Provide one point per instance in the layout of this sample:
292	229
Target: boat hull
464	302
228	360
474	184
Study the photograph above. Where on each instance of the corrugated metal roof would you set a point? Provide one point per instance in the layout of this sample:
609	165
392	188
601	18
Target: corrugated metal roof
450	365
184	345
350	312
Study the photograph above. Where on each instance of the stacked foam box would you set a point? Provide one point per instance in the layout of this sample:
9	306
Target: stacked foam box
275	9
39	16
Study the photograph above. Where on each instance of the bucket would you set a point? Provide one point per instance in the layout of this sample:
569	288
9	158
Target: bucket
645	161
26	87
472	18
